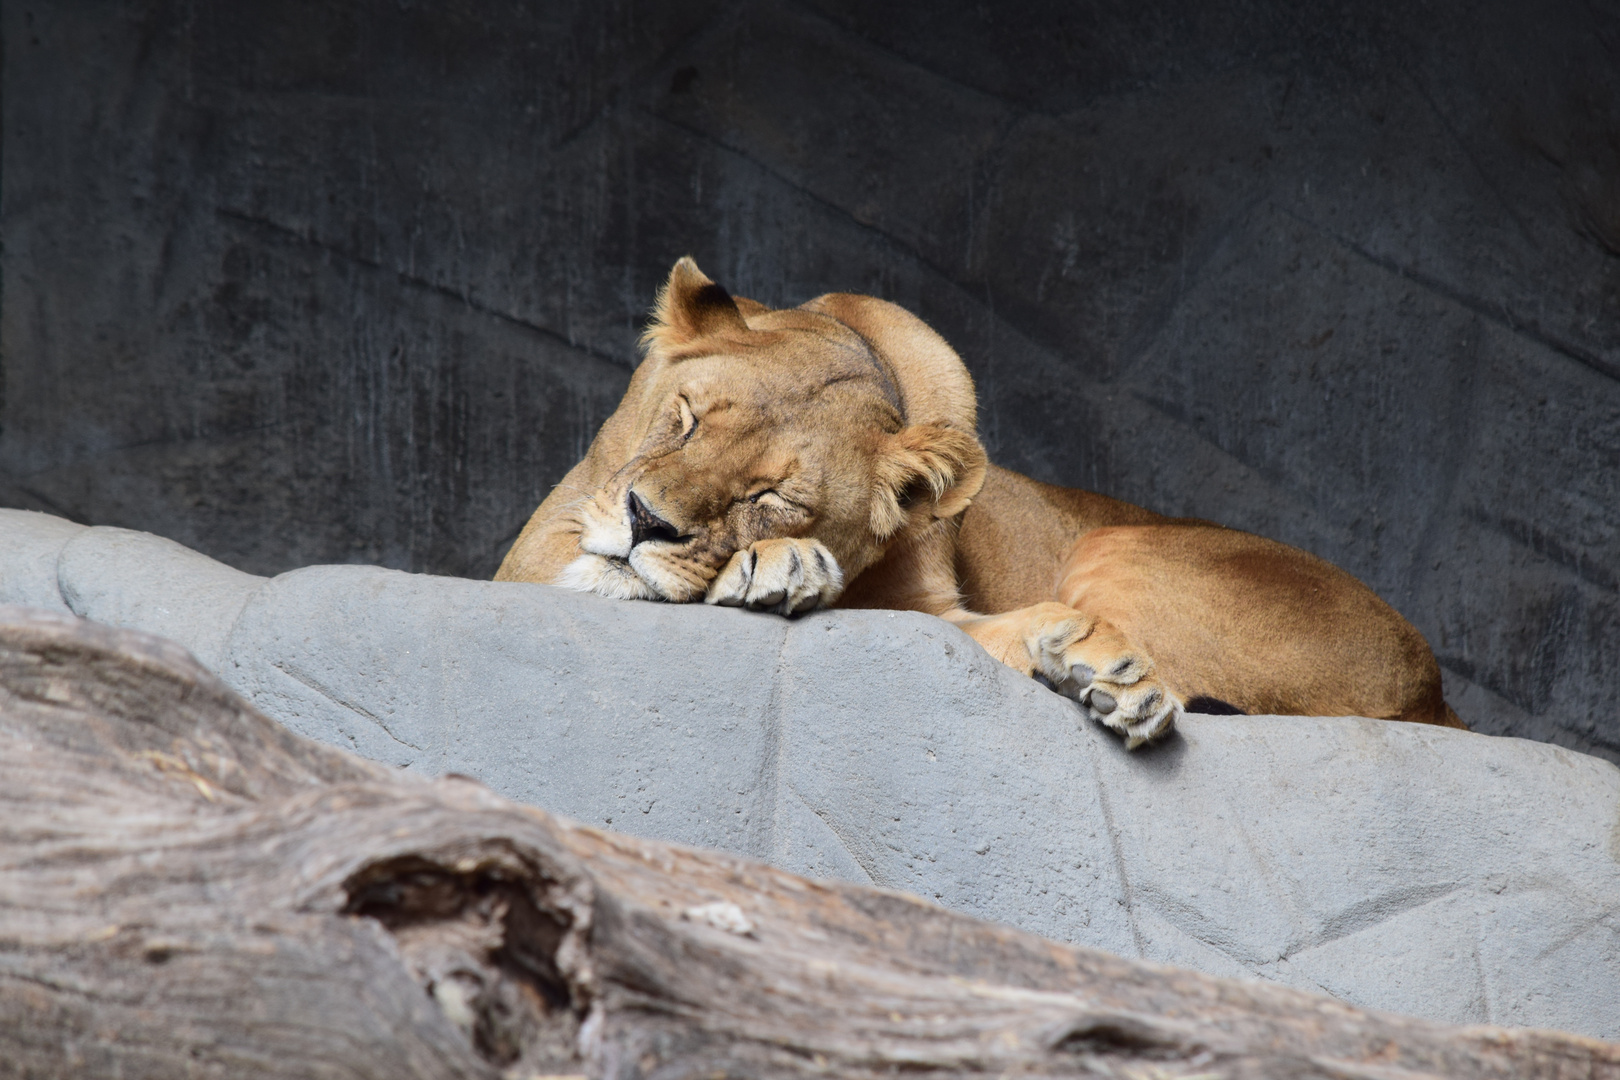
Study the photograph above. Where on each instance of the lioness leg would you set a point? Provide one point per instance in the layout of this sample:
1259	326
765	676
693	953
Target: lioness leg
1266	628
1082	657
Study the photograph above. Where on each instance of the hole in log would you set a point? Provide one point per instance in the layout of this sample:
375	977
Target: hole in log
483	950
1130	1036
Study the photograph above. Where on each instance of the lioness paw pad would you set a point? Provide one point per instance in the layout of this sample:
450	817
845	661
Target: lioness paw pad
785	576
1113	681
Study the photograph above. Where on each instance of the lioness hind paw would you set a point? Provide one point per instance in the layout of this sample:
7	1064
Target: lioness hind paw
1140	712
1115	682
785	576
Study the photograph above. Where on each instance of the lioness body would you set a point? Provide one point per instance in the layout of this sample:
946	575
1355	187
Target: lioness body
1220	611
826	455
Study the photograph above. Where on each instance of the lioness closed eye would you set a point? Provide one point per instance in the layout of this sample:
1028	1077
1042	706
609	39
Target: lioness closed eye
825	455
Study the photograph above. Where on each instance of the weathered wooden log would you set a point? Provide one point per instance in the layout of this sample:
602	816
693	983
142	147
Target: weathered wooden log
188	889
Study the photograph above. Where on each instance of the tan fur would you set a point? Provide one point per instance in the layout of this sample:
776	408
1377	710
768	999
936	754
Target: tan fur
826	455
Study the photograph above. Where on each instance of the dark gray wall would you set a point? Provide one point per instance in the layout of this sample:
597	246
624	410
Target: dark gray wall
304	282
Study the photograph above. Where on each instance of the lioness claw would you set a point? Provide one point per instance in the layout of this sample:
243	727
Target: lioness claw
787	576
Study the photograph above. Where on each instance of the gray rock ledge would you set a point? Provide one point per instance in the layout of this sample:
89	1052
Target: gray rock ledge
1453	876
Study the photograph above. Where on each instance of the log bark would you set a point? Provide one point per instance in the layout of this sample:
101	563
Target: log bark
189	889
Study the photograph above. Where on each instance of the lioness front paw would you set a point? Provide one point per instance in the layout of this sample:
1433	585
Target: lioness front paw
785	576
1096	665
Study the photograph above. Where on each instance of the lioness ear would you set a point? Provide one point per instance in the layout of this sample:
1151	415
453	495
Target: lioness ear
749	307
925	464
690	306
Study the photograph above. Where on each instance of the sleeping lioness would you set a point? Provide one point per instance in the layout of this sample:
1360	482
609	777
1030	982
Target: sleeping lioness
825	455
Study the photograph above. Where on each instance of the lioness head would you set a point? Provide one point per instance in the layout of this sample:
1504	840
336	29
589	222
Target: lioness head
846	421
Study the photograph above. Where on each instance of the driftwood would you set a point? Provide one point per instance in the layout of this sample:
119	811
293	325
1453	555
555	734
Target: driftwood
188	889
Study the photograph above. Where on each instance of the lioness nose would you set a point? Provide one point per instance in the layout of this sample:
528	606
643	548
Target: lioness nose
646	525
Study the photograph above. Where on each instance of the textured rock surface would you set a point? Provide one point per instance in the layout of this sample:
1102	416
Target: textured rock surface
30	545
1455	876
123	578
298	283
129	578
